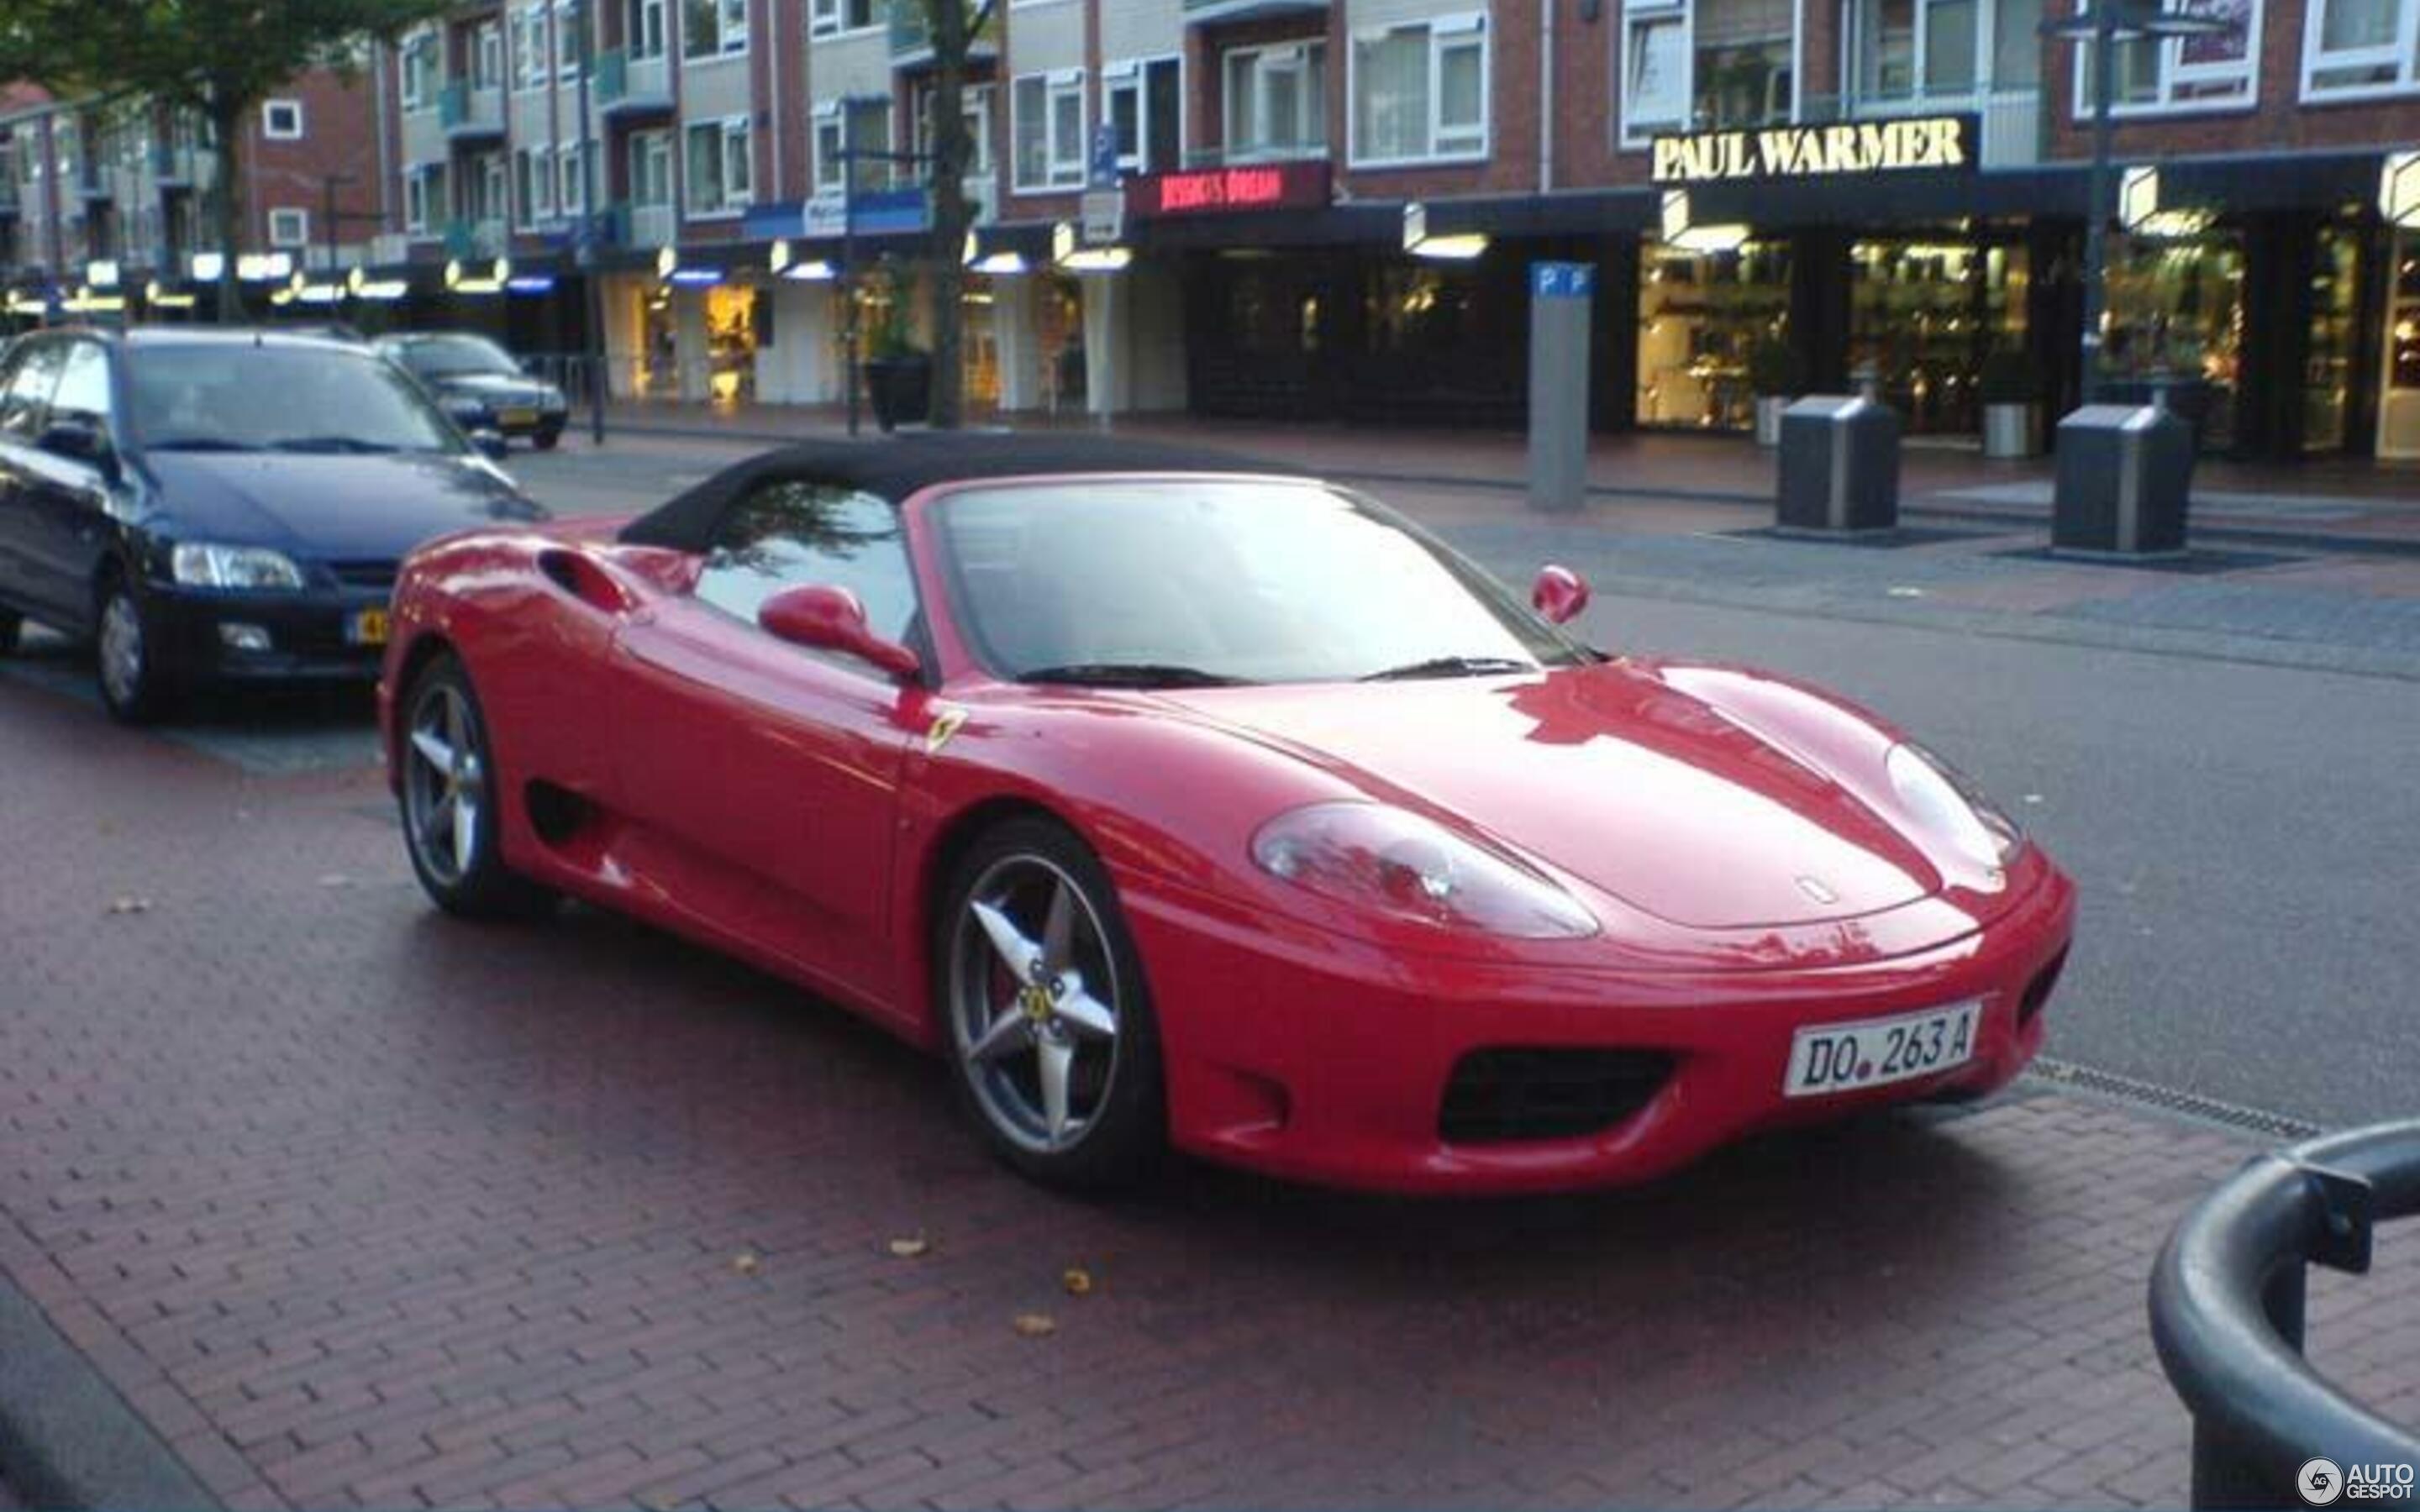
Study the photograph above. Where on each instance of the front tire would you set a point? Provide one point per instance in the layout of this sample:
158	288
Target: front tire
126	663
449	796
547	440
1052	1045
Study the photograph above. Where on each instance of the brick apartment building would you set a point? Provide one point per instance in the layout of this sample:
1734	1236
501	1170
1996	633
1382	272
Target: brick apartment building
686	157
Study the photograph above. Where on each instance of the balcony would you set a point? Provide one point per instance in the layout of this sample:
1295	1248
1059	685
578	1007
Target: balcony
912	38
2012	119
473	238
632	86
465	114
1213	12
640	227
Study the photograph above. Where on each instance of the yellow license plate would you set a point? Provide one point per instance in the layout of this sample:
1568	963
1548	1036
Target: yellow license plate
368	629
516	417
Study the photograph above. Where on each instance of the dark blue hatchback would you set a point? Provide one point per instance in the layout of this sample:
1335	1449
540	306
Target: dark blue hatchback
215	506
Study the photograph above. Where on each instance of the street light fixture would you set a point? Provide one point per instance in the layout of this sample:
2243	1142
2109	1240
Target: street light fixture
2103	26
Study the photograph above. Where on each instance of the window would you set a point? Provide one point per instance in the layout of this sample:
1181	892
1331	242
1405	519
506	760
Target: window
1421	92
719	166
713	28
567	22
2172	73
28	397
1144	102
529	47
651	169
862	125
1049	130
833	17
420	70
83	394
281	120
1655	71
570	181
533	182
289	227
795	534
2362	47
644	37
423	191
976	103
488	57
1277	102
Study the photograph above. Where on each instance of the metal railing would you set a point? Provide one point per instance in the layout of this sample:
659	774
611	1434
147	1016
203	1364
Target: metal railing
463	111
2227	1312
2012	119
626	82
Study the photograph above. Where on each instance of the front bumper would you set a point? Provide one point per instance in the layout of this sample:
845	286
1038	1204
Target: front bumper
313	634
1326	1061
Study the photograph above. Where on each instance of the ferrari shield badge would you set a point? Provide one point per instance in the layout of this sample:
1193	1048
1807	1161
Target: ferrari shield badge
946	719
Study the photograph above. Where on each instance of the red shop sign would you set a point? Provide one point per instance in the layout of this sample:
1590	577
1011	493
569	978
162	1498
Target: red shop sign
1268	186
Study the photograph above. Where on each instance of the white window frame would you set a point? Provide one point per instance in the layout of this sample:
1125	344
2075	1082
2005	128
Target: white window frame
638	12
531	50
1057	83
2402	54
975	99
735	138
572	190
1301	61
729	42
419	184
829	18
411	87
2175	72
1444	34
297	224
1630	134
1134	73
567	16
486	55
270	110
640	145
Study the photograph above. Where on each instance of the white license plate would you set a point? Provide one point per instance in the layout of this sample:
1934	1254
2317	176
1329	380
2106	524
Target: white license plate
1847	1057
368	627
517	417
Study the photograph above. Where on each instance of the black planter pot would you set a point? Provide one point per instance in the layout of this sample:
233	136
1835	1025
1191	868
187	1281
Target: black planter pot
900	388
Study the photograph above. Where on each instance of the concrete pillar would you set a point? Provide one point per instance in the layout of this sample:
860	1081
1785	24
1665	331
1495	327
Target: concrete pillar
1153	358
691	350
1016	331
624	335
799	367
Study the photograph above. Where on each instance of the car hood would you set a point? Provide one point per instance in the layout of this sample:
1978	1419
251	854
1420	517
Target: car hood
342	507
1774	813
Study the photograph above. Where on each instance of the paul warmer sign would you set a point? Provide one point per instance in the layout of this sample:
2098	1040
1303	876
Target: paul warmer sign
1934	142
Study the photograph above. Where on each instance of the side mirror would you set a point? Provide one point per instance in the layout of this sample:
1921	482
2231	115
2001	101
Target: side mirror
1560	593
825	618
491	444
79	440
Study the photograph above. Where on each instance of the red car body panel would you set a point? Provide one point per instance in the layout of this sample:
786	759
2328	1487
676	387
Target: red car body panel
804	815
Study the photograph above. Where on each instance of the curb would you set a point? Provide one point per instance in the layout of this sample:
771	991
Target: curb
2288	538
66	1438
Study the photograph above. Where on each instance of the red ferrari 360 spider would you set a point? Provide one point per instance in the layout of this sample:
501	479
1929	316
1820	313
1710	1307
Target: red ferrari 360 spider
1175	801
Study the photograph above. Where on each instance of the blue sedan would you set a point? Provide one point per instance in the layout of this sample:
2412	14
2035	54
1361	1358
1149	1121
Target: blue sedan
219	506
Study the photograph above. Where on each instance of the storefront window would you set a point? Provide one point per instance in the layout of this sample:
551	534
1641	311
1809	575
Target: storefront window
2176	313
2327	384
1922	317
2399	410
1700	315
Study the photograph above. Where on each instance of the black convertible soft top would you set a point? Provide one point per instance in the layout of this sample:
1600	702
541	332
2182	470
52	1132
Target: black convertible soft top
899	468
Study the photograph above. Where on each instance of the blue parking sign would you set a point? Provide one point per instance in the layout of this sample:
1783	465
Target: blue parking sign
1562	281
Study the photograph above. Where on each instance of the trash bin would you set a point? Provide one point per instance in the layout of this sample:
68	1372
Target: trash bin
1839	466
2125	473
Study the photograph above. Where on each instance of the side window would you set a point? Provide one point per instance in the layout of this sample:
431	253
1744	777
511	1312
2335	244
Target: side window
83	393
792	534
28	396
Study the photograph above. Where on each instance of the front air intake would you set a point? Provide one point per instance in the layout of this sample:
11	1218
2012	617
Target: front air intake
1501	1095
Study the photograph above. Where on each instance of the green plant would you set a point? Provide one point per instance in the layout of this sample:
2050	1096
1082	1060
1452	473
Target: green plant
1775	370
2009	377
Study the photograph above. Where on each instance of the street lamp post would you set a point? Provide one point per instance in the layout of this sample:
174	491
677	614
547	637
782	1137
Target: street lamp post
2101	27
592	339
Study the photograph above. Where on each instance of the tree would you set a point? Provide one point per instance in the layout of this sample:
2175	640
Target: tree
953	26
214	59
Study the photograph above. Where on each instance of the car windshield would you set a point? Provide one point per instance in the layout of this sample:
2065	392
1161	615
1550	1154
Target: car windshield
1202	583
237	397
451	356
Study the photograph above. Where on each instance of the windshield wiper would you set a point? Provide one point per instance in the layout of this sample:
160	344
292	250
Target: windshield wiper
331	443
1130	675
1451	667
199	443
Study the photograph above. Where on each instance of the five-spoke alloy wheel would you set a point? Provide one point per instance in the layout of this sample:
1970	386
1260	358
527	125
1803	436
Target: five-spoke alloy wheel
449	800
1051	1033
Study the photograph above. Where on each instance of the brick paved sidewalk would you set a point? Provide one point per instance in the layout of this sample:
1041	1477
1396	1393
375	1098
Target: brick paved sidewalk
2353	498
361	1206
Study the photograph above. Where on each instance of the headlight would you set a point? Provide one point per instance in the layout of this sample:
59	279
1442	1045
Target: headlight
1398	864
1947	804
233	566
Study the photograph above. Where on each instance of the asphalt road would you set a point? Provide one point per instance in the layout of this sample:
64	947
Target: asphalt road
2244	835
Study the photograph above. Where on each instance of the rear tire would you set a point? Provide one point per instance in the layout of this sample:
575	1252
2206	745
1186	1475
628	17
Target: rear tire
1046	1020
547	440
449	798
126	663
